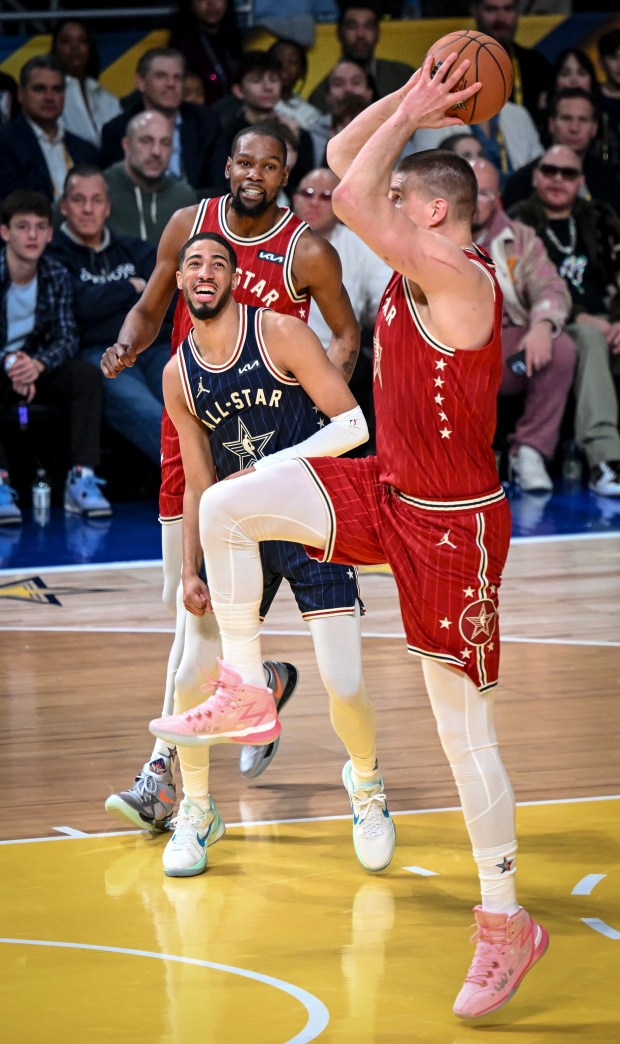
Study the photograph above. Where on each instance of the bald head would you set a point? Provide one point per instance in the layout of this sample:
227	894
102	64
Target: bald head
489	202
312	200
147	145
558	180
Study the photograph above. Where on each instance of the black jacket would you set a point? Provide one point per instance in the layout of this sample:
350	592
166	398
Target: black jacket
598	227
203	146
601	182
22	164
102	291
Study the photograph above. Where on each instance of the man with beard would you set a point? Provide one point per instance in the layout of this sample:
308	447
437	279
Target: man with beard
282	265
142	197
358	33
249	387
531	70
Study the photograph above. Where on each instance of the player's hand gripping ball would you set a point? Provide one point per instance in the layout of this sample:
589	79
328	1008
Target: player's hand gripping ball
489	63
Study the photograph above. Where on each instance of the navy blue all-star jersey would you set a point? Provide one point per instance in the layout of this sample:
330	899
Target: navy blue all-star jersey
251	409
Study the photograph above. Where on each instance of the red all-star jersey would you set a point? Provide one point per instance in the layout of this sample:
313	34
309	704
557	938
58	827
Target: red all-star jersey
435	405
264	262
266	266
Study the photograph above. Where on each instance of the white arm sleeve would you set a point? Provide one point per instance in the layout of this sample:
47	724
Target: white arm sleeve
344	432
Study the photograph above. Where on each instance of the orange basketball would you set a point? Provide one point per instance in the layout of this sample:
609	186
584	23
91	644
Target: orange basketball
489	64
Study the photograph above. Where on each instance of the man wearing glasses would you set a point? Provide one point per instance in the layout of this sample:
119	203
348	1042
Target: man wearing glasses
35	151
538	356
582	238
573	121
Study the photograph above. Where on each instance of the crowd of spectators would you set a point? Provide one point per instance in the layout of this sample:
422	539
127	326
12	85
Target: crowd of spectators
89	180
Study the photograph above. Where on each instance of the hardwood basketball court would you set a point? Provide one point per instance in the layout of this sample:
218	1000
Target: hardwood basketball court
286	938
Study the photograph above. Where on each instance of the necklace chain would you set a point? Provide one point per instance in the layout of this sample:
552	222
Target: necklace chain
572	232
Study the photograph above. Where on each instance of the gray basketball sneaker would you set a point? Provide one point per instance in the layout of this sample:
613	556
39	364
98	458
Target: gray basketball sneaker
282	679
149	804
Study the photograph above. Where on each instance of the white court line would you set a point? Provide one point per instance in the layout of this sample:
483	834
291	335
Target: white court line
587	884
150	563
318	1014
313	819
276	632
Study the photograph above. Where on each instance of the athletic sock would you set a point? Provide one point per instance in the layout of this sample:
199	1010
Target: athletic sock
497	869
162	761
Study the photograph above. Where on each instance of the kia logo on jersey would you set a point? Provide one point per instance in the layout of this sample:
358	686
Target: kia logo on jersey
266	255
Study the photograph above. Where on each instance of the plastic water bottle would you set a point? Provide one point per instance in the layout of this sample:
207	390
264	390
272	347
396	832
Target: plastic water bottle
41	497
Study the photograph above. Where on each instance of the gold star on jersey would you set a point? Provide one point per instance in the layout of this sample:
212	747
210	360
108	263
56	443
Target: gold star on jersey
247	447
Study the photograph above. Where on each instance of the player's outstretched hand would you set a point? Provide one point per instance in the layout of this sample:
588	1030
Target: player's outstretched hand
428	97
196	597
117	358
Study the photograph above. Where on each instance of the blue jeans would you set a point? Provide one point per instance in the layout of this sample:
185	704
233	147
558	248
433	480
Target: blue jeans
133	401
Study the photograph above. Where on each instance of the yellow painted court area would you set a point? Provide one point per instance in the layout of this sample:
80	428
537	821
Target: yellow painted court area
287	939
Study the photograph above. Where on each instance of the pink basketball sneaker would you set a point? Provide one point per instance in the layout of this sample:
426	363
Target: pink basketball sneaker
507	947
235	713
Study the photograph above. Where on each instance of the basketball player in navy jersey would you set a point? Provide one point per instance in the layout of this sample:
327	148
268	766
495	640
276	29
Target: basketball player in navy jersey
429	503
283	264
246	385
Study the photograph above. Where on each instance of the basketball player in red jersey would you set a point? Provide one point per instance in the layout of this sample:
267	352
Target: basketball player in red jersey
429	503
282	264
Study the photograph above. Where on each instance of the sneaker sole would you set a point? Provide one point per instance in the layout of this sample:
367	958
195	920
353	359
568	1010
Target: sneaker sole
246	737
201	866
271	750
115	806
539	952
71	509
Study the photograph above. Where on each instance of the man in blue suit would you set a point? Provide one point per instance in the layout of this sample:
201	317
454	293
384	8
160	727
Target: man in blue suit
35	150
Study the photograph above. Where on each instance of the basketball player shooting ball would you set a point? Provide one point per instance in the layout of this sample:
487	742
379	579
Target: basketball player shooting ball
429	503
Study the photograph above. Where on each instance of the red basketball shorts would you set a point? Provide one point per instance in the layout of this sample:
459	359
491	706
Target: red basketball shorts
172	476
447	564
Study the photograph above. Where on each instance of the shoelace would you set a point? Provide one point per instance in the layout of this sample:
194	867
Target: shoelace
91	483
145	784
487	940
221	700
370	812
192	824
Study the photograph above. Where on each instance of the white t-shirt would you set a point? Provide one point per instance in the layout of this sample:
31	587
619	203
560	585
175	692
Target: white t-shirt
365	277
21	302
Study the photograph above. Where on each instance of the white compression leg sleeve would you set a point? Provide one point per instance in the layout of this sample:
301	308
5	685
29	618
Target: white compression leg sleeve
465	724
337	645
198	664
280	503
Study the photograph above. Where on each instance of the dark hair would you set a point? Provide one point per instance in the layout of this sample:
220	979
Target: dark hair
266	129
301	52
608	43
185	21
572	92
255	61
92	67
82	170
452	140
146	60
445	174
582	59
40	61
365	5
217	238
370	80
25	201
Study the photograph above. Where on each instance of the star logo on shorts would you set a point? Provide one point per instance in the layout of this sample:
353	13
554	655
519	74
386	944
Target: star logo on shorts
478	622
247	447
